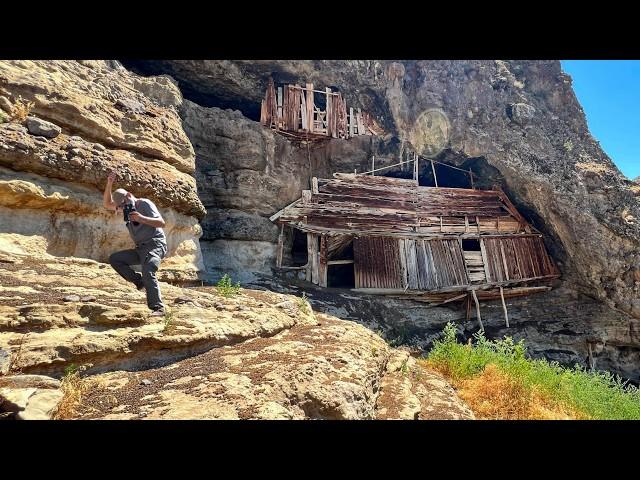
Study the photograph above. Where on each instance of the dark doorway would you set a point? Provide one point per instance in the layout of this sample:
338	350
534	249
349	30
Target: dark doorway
471	245
341	276
299	251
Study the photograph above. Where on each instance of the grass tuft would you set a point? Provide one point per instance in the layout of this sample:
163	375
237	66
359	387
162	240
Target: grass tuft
226	288
169	322
303	306
498	380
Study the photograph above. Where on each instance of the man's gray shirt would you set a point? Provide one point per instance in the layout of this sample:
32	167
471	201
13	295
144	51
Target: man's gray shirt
142	233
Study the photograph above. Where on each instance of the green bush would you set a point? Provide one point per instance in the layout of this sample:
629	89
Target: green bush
599	395
226	288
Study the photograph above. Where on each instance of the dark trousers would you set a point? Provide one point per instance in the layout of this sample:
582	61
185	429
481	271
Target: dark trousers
148	255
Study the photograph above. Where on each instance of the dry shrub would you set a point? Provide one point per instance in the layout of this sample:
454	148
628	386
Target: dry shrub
494	395
74	388
20	110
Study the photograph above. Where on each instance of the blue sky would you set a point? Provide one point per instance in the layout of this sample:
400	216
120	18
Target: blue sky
609	92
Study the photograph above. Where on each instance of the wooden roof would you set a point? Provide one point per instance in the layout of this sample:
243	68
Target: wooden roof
384	206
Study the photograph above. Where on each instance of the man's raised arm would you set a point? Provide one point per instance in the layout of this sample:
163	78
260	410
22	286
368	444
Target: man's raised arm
107	200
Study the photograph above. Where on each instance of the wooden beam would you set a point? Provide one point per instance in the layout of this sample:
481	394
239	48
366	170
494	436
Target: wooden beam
340	262
504	307
314	185
475	298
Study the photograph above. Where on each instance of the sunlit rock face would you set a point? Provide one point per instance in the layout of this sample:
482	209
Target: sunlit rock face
86	118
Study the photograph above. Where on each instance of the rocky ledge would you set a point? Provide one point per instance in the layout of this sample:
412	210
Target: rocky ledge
257	354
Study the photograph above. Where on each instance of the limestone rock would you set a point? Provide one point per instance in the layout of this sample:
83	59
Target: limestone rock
5	104
30	403
5	361
116	330
29	381
43	128
330	370
521	113
86	99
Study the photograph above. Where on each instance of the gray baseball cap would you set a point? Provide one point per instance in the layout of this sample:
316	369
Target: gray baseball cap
119	195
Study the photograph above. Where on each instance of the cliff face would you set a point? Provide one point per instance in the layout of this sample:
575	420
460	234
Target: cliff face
87	118
514	123
520	117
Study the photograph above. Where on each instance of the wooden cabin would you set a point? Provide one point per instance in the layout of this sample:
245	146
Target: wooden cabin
430	243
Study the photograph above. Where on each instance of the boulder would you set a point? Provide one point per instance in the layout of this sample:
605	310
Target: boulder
521	113
42	128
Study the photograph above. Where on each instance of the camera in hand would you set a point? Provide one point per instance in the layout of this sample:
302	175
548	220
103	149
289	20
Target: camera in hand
128	208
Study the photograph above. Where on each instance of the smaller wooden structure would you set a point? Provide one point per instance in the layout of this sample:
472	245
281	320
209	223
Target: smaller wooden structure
291	110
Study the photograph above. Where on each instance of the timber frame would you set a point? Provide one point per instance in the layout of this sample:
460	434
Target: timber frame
431	244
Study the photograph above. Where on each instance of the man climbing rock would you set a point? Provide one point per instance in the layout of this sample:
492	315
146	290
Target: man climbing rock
145	227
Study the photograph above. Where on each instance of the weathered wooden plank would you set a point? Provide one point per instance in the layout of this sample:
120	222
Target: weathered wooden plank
310	107
351	122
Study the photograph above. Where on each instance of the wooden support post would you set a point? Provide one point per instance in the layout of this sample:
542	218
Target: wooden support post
475	298
310	107
415	167
314	185
592	363
330	130
433	169
468	306
471	176
504	307
373	165
312	255
280	246
322	261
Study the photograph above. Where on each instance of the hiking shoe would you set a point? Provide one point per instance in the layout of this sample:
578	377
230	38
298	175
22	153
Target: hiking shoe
158	313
